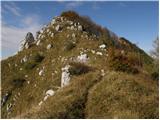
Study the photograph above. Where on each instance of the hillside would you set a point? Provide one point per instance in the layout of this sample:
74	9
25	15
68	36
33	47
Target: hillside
75	68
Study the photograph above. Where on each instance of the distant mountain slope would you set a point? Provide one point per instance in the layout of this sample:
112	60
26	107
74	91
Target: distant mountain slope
72	69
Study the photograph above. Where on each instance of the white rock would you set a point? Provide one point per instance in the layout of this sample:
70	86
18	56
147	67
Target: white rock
26	76
49	46
9	64
72	27
50	92
99	53
38	43
28	82
16	65
57	28
24	59
52	35
68	36
41	31
102	72
82	58
40	103
102	46
53	22
9	106
47	30
73	35
21	69
46	97
41	72
80	28
93	51
65	77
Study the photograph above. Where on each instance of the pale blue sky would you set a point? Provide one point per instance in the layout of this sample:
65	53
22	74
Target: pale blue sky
136	21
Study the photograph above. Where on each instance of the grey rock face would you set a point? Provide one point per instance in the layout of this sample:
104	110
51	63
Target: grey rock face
27	42
5	98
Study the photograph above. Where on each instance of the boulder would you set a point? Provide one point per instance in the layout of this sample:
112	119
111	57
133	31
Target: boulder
27	42
65	77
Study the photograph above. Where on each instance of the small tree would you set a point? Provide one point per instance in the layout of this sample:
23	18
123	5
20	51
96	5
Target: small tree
155	55
155	51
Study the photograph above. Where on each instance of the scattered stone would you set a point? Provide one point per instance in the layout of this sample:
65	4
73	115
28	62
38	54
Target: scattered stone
49	46
72	28
93	51
82	58
52	35
45	98
73	35
99	53
40	103
26	76
50	92
19	93
65	77
9	106
21	69
57	28
38	43
102	72
103	46
9	64
80	28
41	72
48	30
28	82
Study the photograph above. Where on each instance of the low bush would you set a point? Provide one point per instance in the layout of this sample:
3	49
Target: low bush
69	45
122	62
37	57
155	75
79	68
18	82
30	65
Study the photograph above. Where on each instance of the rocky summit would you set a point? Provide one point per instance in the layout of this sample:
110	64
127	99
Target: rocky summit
74	68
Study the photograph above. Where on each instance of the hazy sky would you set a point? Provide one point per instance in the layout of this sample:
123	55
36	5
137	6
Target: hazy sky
136	21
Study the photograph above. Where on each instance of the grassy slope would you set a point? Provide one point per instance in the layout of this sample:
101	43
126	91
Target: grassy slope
123	96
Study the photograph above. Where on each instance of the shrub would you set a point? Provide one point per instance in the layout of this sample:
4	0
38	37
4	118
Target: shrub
121	62
37	57
30	65
69	45
18	82
79	68
155	75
